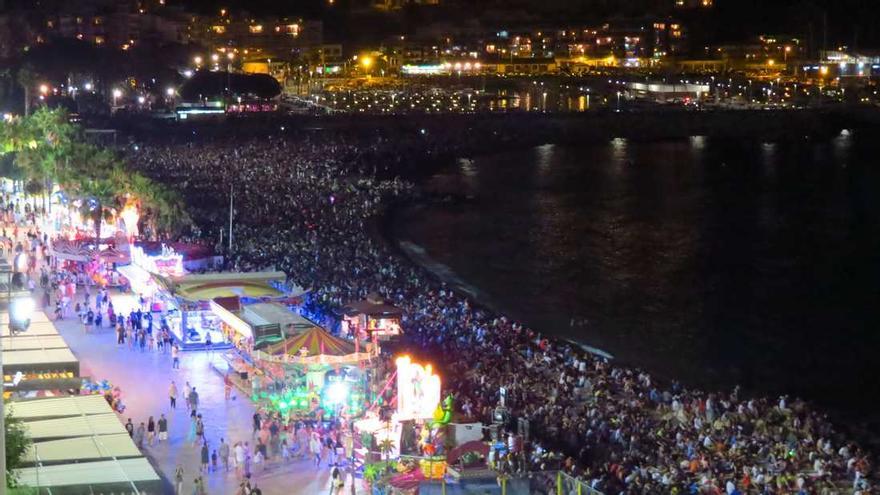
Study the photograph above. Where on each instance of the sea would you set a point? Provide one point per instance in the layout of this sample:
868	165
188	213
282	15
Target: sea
714	262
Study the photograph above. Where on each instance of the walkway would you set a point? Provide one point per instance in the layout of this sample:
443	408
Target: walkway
144	378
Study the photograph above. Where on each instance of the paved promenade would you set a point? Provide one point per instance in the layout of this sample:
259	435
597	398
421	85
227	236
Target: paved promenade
144	378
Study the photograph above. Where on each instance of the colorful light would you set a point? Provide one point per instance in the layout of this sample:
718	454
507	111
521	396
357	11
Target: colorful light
418	390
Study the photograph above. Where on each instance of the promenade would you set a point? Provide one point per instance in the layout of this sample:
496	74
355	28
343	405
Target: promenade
144	378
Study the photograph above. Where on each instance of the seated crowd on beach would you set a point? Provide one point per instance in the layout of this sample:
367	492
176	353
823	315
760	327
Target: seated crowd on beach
305	203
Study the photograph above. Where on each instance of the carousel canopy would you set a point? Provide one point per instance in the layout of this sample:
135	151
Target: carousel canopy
314	346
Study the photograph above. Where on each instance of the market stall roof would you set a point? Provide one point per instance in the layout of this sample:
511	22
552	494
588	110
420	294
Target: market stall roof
372	306
74	426
37	317
36	328
137	470
269	313
205	287
59	407
12	359
25	341
119	445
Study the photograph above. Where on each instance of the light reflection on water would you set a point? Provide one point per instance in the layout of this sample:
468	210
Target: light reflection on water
719	262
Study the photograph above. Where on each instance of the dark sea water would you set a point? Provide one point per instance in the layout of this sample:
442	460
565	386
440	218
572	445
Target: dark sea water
714	262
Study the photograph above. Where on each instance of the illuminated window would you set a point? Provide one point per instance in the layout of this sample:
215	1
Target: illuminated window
97	21
50	24
79	20
218	29
99	40
256	28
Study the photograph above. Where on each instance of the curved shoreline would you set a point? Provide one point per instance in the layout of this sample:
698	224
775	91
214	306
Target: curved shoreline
852	424
430	325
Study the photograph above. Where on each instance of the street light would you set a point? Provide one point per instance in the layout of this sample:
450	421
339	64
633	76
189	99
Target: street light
44	88
215	57
198	60
618	101
117	93
169	92
19	312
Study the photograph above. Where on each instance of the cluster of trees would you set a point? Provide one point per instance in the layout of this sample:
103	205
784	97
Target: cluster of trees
44	149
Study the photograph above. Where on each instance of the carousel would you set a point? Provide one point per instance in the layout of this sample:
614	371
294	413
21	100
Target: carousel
321	376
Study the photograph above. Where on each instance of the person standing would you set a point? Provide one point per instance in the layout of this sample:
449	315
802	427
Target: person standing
178	476
172	395
257	422
315	448
187	389
224	455
151	431
227	386
139	435
205	456
194	399
200	428
129	427
163	428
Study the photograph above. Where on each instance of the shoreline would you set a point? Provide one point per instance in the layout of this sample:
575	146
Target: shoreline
850	423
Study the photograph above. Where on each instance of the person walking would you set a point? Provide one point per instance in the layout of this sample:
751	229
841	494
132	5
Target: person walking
175	356
163	428
129	427
187	389
315	448
224	455
172	395
238	451
178	480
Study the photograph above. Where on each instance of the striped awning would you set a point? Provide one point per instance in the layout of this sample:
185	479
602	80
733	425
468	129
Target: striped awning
315	346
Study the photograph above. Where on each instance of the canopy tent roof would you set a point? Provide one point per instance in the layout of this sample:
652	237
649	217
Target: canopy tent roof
59	407
269	313
205	287
137	470
372	306
36	328
75	426
24	342
38	357
37	317
314	346
118	445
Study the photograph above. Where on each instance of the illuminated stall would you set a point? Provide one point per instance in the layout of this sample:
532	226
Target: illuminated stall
371	319
188	298
418	400
327	376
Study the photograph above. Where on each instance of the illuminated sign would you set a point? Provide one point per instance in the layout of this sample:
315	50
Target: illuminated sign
418	390
167	263
414	70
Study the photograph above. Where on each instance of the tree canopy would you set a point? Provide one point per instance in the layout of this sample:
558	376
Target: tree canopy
47	149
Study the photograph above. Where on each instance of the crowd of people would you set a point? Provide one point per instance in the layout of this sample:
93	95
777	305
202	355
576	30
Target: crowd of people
306	203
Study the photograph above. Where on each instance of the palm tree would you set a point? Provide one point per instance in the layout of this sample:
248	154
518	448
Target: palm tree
26	77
